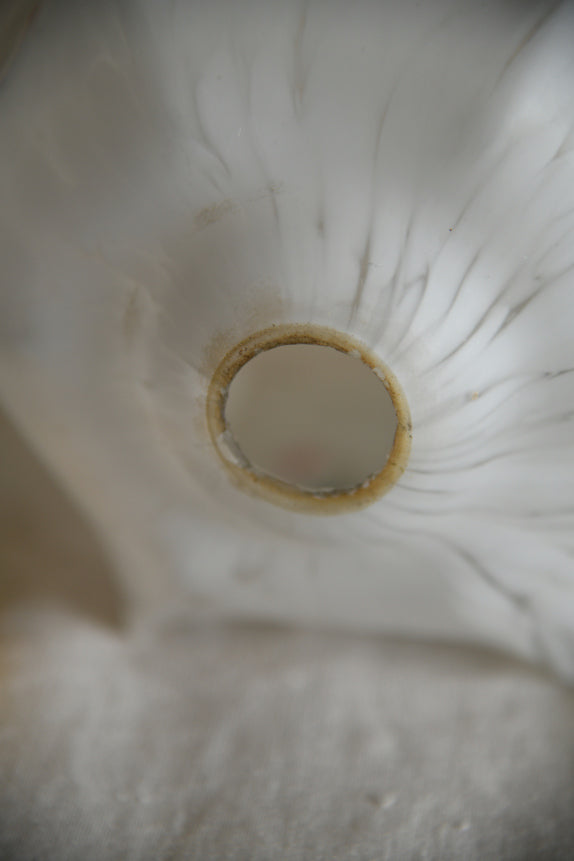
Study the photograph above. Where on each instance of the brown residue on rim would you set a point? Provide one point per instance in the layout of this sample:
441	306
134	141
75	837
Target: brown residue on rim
279	492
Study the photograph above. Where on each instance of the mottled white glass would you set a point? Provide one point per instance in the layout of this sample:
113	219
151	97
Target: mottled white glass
176	176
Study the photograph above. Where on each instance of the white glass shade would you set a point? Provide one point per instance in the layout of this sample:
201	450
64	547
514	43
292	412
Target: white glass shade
177	176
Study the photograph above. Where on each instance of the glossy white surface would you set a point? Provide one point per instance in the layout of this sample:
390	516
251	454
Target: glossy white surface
175	176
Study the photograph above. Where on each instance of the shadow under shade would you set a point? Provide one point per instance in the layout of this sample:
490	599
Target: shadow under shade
16	17
49	554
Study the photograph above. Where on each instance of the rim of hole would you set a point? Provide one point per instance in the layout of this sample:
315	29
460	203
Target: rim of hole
279	492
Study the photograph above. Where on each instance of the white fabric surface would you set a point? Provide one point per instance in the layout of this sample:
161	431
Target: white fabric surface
168	739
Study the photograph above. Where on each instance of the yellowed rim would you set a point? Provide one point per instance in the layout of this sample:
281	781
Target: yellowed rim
279	492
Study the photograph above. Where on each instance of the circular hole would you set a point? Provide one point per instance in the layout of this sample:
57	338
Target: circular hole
311	416
309	419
